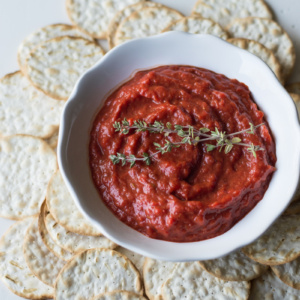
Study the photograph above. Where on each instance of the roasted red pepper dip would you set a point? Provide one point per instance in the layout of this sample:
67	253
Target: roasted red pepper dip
188	194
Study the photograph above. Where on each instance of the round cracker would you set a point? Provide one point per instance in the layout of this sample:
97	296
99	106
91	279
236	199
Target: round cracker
155	273
55	65
296	98
289	273
43	34
64	210
260	51
224	12
234	267
27	164
53	140
119	295
123	14
293	88
271	35
93	16
190	281
14	271
47	239
25	110
97	271
270	286
74	242
137	259
279	244
42	263
146	22
198	25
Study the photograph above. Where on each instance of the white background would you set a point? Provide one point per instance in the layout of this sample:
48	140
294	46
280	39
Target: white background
18	18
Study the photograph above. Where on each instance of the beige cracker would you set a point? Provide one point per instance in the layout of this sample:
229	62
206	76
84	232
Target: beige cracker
47	239
155	273
137	259
271	35
271	287
93	16
25	110
121	15
279	244
96	271
14	271
236	266
74	242
27	164
289	273
198	25
190	281
145	22
53	140
260	51
224	12
55	65
119	295
43	263
64	210
43	34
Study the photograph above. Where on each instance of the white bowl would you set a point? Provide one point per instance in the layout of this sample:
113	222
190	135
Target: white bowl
179	48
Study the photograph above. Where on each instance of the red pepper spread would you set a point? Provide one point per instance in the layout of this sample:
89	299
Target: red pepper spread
188	194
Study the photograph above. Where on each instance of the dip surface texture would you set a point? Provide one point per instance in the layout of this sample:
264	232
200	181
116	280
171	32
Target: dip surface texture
187	194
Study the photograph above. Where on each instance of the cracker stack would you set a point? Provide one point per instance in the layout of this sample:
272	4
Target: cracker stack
52	250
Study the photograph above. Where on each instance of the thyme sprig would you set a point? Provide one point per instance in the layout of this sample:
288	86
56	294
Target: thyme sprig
189	134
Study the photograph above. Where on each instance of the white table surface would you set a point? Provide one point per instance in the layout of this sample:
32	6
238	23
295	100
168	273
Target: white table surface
18	18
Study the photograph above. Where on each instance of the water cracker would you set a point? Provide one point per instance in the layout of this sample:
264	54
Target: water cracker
190	281
74	242
137	259
155	273
27	164
279	244
146	22
224	12
42	263
260	51
47	239
119	295
44	34
269	286
123	14
26	110
271	35
97	271
93	16
55	65
198	25
64	210
289	273
234	267
14	271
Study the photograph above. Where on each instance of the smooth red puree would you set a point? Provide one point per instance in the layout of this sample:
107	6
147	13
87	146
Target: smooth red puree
187	194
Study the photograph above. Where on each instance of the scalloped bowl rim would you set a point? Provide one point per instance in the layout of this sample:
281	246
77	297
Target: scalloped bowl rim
203	51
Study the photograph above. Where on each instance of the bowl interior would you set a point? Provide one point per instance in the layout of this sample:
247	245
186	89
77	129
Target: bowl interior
181	49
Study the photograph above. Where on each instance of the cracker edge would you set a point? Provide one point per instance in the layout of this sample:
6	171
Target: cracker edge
55	97
70	262
55	217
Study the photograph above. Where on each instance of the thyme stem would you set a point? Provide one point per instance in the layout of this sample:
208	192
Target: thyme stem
189	135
